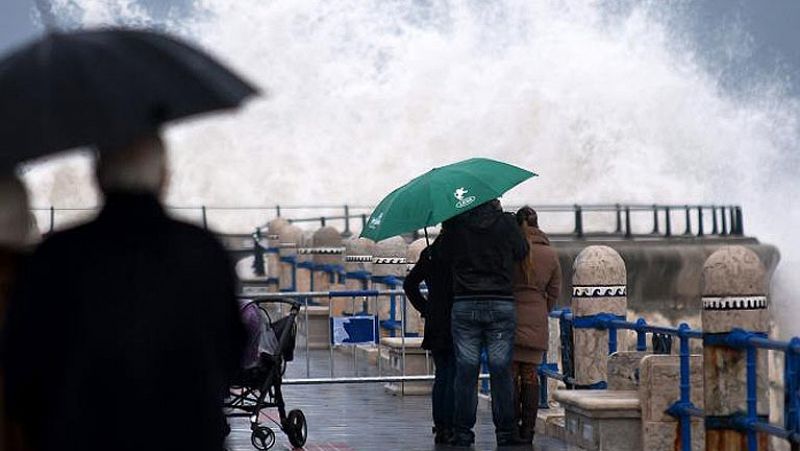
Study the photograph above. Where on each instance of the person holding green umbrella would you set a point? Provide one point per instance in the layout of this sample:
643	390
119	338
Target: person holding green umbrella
481	245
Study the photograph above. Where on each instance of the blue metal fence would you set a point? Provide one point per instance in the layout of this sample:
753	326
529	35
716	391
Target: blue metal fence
683	409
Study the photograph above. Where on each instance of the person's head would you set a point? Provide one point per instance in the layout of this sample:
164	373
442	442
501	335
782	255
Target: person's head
138	167
527	215
16	221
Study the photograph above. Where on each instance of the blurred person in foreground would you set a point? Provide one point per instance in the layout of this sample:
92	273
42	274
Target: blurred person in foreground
436	309
537	286
124	332
482	246
16	227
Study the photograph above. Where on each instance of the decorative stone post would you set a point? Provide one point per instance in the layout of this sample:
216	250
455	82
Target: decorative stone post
415	323
358	269
599	286
289	238
734	297
327	257
273	261
305	263
388	270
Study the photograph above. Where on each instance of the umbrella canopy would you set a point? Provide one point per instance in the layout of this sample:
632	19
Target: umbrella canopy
105	88
441	194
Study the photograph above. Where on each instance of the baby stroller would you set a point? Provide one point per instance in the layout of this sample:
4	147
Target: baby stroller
258	384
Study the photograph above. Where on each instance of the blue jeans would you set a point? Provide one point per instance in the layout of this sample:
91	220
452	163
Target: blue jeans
477	324
442	396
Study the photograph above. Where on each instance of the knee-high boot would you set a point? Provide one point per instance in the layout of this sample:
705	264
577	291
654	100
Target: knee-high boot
529	394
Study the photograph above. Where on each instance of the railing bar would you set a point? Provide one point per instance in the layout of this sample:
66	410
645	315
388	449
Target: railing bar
308	361
365	379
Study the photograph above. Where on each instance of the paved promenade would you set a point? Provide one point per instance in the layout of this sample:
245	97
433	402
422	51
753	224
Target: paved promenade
363	417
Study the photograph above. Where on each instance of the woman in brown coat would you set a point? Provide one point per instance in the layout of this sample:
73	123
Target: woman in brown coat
537	286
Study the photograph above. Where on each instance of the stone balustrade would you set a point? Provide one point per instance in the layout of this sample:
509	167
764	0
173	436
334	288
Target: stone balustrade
717	400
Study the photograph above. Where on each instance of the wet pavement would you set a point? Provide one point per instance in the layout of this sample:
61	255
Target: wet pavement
364	417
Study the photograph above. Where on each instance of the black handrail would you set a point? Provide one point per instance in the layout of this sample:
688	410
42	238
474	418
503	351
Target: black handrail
725	220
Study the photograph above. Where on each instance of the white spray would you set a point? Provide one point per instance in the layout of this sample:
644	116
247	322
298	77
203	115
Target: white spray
363	95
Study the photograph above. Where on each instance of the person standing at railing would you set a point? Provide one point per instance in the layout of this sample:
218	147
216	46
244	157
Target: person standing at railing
482	246
537	286
438	339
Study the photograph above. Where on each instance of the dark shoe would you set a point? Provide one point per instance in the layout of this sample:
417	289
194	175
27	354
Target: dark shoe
463	439
442	435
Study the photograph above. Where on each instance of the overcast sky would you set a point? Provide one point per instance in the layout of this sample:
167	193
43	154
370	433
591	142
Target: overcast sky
773	26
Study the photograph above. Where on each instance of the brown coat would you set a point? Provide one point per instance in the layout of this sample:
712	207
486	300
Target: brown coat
537	286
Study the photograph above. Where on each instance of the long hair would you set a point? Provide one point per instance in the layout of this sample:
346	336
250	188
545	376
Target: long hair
527	217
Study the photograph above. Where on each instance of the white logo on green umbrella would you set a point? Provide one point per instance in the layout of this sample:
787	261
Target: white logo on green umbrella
376	221
463	201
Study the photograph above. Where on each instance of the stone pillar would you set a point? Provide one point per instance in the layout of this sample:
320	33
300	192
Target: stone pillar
389	259
327	252
304	260
272	259
734	296
289	238
416	324
599	286
358	267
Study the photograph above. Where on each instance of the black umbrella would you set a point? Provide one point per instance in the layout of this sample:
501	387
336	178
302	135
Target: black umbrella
105	88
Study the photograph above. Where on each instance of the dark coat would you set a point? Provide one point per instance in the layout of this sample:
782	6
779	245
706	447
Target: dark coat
10	263
124	334
537	286
437	307
482	246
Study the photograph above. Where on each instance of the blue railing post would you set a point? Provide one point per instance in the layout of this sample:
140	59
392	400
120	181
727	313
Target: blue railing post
543	393
686	389
752	382
792	391
612	339
641	335
567	357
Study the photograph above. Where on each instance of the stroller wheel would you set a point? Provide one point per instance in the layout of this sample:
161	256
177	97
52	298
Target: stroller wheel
297	428
262	438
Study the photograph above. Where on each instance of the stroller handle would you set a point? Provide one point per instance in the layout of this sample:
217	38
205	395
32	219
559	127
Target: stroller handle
270	300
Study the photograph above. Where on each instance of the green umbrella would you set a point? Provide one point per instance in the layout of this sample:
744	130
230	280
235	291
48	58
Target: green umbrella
440	194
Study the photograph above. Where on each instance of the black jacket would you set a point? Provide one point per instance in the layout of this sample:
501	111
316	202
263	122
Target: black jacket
482	246
123	334
436	308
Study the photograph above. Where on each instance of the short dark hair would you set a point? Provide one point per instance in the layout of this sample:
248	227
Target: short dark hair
527	215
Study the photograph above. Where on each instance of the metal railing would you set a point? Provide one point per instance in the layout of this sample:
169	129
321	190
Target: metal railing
683	409
663	220
590	221
354	297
